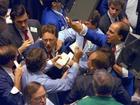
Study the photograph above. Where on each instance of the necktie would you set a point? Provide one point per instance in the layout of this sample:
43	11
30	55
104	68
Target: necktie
114	49
84	43
49	55
26	37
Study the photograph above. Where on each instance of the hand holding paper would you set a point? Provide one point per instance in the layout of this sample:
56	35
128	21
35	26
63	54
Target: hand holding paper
61	62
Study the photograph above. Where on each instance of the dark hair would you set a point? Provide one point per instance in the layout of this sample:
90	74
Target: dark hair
18	10
7	53
30	89
102	82
36	60
117	3
49	2
49	28
95	18
5	3
110	55
105	58
3	10
123	30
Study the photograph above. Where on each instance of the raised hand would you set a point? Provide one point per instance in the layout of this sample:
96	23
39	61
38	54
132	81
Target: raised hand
24	46
76	25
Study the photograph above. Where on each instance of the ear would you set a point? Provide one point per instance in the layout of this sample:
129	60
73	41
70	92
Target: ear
120	37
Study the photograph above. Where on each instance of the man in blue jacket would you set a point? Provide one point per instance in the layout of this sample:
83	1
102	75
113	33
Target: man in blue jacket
52	15
9	82
115	38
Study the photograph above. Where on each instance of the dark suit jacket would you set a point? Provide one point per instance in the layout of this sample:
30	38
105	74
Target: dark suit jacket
6	84
138	21
13	34
3	24
83	86
105	22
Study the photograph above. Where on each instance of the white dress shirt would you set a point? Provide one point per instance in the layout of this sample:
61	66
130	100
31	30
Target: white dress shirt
119	48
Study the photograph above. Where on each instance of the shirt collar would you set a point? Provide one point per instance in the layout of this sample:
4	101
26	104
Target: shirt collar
111	18
9	71
120	46
57	12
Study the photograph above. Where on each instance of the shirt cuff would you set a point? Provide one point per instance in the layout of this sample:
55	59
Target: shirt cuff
48	65
124	72
84	30
14	90
75	66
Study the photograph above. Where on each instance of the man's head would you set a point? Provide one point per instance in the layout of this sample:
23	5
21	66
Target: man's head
102	58
115	7
54	4
103	82
7	55
117	32
3	11
93	21
4	7
35	94
36	60
49	37
19	17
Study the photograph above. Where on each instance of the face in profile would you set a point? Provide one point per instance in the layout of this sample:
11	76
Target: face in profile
112	34
39	97
21	22
49	41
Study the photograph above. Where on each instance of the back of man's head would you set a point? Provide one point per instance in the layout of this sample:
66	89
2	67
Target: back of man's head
4	41
95	18
102	82
7	54
4	7
123	30
35	60
104	59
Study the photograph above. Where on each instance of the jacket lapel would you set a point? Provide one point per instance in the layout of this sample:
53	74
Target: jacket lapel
4	73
